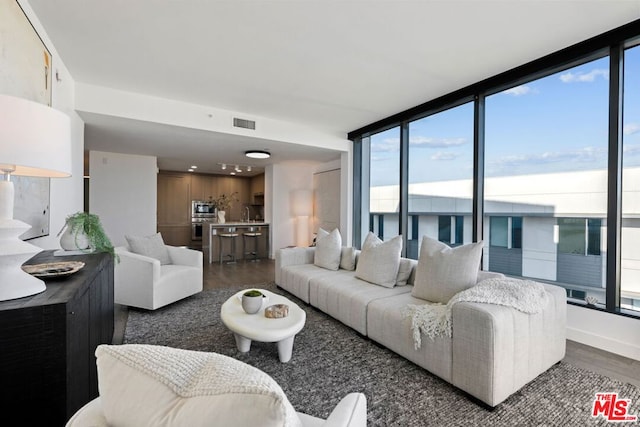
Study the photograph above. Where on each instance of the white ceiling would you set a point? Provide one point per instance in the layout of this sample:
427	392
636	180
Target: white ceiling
334	65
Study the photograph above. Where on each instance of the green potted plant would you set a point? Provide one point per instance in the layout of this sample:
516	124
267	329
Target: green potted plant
83	231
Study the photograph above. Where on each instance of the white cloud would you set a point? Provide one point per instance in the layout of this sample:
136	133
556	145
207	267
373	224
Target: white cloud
583	155
388	145
444	155
631	128
631	149
436	142
518	90
584	77
392	145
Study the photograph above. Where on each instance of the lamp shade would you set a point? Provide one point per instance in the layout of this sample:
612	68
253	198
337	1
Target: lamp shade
35	140
302	202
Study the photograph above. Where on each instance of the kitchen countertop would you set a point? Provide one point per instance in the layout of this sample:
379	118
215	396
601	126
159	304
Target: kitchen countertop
236	224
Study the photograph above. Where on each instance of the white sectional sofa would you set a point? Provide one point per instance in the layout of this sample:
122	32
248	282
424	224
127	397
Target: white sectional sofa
493	350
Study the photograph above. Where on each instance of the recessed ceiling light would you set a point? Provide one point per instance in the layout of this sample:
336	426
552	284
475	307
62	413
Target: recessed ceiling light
232	173
190	170
194	167
257	154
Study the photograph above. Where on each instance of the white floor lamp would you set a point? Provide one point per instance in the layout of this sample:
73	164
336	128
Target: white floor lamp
302	209
35	140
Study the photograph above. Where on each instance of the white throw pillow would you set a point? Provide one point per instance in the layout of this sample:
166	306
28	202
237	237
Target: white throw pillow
152	246
348	258
379	261
404	272
443	271
145	385
328	249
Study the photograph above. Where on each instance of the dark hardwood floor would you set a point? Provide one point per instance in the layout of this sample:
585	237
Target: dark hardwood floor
254	273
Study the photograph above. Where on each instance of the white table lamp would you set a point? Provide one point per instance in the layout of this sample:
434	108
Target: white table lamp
302	208
35	140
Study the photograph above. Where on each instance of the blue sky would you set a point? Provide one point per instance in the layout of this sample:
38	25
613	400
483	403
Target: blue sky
557	123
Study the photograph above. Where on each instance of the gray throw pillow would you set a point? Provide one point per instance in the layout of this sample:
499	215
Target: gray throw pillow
152	246
328	249
404	272
443	271
348	258
379	261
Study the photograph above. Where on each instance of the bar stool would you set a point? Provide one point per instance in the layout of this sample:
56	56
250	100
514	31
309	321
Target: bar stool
252	233
229	234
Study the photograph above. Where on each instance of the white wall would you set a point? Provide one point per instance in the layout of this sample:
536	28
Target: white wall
66	193
610	332
327	195
280	180
123	192
118	103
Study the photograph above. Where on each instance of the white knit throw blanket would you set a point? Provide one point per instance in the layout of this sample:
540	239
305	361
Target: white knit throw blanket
434	319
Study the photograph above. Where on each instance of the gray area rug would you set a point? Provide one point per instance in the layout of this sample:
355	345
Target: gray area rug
330	360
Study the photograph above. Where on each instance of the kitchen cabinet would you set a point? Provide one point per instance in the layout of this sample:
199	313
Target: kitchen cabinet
176	235
257	186
203	187
176	190
174	203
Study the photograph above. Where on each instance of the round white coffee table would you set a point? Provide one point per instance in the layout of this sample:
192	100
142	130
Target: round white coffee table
257	327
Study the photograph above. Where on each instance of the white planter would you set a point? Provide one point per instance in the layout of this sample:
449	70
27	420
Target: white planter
73	242
251	305
221	219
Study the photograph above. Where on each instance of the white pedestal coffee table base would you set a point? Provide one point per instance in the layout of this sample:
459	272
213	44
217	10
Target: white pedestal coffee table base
256	327
285	347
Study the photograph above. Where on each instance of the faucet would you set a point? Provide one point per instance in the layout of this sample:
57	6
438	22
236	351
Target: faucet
248	213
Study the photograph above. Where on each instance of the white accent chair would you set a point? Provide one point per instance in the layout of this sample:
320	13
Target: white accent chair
351	411
144	385
141	281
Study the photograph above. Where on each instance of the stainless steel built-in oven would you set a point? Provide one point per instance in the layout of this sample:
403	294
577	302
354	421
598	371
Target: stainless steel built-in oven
196	231
201	212
200	208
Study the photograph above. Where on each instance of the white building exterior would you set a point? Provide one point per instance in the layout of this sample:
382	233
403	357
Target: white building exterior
544	202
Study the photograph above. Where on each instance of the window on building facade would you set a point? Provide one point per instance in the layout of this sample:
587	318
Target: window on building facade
451	229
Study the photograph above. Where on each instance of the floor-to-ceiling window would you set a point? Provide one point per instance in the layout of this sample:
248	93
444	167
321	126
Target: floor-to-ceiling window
384	188
441	177
530	166
630	254
546	161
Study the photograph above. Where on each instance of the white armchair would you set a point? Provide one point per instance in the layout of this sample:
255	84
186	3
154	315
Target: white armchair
141	281
143	385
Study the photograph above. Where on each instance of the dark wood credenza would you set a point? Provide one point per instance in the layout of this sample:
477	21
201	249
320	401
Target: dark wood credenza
48	341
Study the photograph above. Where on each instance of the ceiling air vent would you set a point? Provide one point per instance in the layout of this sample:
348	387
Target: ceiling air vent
244	123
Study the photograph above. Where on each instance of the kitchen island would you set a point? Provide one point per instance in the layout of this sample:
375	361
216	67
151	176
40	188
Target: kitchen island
211	241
